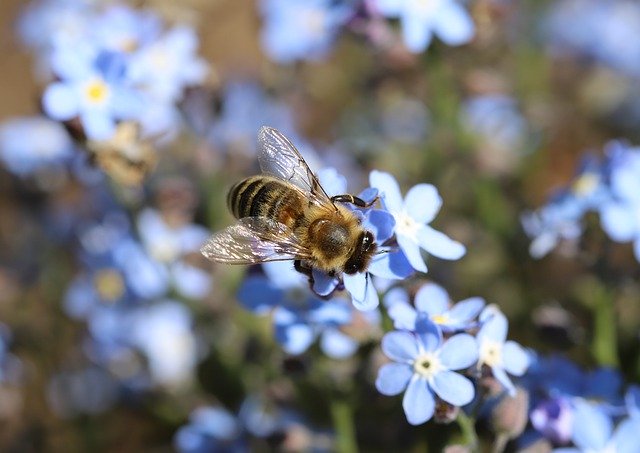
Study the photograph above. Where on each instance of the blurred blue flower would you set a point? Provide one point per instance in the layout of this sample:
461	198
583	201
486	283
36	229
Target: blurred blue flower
424	365
421	19
245	108
91	86
593	432
169	245
553	418
120	28
433	301
495	352
620	216
299	316
210	429
314	23
604	31
412	215
33	143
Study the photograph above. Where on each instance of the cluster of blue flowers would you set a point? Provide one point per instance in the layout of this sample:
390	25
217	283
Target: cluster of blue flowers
317	23
608	186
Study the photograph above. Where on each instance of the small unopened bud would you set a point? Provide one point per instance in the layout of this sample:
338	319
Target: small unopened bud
445	412
457	449
510	416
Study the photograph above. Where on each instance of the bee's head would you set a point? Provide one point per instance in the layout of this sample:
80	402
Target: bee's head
362	253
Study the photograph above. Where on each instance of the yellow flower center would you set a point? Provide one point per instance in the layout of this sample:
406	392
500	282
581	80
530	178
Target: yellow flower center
96	91
440	319
586	184
109	284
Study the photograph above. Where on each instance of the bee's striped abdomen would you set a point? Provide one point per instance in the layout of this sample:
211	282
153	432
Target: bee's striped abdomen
264	196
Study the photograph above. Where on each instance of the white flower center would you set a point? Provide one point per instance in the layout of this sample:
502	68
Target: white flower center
165	251
423	7
491	353
406	225
427	365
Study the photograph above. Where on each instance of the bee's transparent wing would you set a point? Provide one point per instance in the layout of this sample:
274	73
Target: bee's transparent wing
254	240
279	158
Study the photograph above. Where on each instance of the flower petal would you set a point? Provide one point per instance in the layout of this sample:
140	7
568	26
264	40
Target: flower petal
432	299
591	427
392	265
503	378
465	310
323	283
453	388
403	316
412	252
381	223
422	203
415	33
389	189
459	351
428	332
515	358
393	378
495	325
337	344
618	221
60	102
418	402
294	338
363	294
453	24
400	346
625	438
439	244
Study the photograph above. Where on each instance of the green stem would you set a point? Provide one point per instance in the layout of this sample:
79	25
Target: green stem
604	335
344	427
467	426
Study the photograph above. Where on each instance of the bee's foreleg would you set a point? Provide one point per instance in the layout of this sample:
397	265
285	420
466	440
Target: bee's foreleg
305	270
352	199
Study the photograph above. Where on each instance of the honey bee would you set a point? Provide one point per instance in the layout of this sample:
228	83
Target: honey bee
285	214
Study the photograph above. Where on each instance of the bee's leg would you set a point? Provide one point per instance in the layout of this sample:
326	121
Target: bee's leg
305	270
352	199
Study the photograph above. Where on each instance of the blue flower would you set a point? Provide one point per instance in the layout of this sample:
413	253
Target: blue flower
210	429
593	432
433	301
495	352
169	245
299	316
421	19
313	23
620	217
553	418
92	87
31	144
412	215
425	366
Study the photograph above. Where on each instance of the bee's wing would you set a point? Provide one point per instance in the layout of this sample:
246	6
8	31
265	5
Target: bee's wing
254	240
279	158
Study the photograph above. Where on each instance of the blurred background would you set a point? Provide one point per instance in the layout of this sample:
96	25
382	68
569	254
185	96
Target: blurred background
113	328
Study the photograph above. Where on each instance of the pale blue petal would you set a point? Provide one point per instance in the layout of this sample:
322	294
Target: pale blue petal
60	102
591	427
625	438
514	358
369	194
363	293
422	203
395	295
502	377
400	346
332	181
453	25
428	332
403	316
389	189
389	8
412	252
459	351
418	402
415	33
323	283
618	222
98	125
453	388
432	299
466	310
337	344
494	327
439	244
294	338
393	378
392	265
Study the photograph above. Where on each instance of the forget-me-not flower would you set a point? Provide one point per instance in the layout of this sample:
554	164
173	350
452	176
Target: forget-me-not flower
412	216
210	429
432	300
495	352
424	367
421	19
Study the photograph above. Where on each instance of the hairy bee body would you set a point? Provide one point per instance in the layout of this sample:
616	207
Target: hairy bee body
332	236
